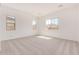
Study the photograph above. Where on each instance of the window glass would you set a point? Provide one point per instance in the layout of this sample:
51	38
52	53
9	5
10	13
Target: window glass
48	22
52	23
55	21
33	22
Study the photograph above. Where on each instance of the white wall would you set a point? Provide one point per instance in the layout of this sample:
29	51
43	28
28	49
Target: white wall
23	23
77	26
68	27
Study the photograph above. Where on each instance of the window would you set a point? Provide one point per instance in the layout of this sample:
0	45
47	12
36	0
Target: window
10	23
52	23
55	21
34	25
48	22
33	22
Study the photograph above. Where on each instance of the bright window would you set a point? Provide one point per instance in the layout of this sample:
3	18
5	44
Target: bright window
33	22
48	22
55	21
52	23
34	25
10	23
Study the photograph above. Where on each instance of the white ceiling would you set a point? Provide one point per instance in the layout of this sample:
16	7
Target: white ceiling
38	9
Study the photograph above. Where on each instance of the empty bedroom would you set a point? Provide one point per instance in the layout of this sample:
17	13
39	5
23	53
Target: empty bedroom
39	29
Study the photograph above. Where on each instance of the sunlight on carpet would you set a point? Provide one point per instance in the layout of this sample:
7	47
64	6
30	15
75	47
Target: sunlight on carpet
44	37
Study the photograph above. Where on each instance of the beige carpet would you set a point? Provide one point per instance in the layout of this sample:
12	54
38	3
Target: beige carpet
39	46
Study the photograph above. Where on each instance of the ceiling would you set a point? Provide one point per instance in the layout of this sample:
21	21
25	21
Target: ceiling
39	9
